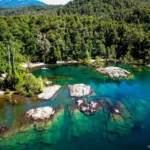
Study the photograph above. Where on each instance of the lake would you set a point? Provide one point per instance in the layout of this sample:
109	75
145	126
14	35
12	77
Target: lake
73	130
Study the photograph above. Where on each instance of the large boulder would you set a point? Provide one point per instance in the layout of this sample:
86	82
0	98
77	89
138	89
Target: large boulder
49	92
40	113
79	90
114	72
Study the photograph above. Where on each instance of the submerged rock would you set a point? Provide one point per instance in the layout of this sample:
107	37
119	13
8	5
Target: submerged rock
114	72
34	131
79	90
3	129
39	118
40	113
87	109
49	92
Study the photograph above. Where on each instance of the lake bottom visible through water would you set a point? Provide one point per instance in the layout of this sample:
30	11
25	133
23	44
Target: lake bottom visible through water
71	129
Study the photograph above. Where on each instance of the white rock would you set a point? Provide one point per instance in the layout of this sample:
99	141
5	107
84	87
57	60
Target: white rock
114	72
67	62
32	65
116	75
48	82
84	108
2	92
79	90
40	113
49	92
116	111
79	102
4	75
94	104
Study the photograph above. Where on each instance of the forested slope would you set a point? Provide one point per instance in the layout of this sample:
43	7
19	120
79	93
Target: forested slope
81	29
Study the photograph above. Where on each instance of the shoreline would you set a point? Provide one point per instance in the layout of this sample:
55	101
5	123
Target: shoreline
33	65
40	64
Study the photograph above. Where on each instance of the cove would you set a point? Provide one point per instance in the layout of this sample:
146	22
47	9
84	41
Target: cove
73	130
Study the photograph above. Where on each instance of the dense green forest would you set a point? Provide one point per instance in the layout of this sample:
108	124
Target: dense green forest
137	11
37	9
109	29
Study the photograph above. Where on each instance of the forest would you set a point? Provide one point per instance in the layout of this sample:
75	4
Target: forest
82	29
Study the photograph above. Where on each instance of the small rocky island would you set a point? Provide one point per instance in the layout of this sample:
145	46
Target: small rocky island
40	118
114	72
49	92
87	109
40	113
79	90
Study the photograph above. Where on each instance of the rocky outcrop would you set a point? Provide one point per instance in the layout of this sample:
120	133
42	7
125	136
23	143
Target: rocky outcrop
79	90
49	92
40	113
114	72
40	118
87	109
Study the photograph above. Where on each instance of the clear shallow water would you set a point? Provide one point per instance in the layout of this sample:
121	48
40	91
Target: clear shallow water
76	131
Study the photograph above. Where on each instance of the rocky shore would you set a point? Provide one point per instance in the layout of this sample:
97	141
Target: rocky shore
33	65
114	72
79	90
67	62
49	92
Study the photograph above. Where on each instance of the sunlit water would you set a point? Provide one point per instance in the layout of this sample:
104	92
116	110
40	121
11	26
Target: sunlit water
76	131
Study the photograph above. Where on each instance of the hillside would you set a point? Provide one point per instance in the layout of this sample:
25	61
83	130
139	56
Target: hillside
82	30
19	3
133	11
28	10
128	10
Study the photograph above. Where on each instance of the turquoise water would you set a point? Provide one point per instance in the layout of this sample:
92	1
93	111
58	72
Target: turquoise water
75	131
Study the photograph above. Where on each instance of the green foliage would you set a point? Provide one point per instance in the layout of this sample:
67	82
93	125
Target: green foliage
51	9
98	62
81	30
87	60
32	85
49	38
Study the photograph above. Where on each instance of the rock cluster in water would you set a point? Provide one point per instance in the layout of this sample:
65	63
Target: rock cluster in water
114	72
87	109
40	113
49	92
116	119
79	90
39	117
93	106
